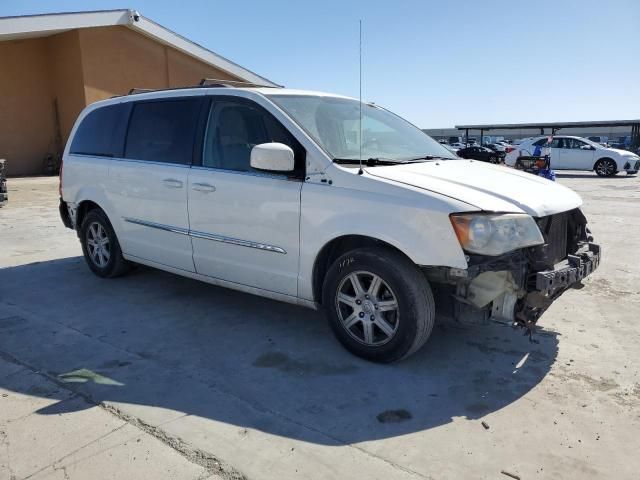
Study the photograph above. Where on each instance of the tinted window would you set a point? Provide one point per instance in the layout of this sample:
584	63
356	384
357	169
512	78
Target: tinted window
574	143
234	128
101	133
163	131
557	143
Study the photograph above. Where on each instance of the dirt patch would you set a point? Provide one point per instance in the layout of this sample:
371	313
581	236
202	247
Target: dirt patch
282	362
477	408
394	416
602	384
115	364
10	322
605	287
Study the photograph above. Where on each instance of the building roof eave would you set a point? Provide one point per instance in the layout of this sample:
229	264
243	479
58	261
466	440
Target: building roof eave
29	26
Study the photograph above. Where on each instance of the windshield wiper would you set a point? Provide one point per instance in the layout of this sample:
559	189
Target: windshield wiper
369	162
428	157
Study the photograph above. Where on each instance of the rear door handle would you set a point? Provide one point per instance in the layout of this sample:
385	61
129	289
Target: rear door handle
203	187
172	183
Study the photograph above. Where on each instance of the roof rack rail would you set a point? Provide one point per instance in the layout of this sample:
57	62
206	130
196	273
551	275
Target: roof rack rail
217	83
204	83
134	91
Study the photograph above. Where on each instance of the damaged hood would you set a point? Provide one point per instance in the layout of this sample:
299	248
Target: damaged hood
488	187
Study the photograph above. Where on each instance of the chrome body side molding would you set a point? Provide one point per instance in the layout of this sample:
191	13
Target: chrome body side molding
207	236
159	226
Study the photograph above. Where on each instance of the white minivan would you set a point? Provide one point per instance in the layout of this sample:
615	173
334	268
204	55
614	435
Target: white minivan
577	153
263	190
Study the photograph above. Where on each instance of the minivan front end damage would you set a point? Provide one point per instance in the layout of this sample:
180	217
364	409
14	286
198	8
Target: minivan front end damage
517	287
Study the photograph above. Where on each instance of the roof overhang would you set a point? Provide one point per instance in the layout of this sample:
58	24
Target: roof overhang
556	125
32	26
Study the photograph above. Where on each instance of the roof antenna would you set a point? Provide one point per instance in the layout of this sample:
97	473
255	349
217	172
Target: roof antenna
360	172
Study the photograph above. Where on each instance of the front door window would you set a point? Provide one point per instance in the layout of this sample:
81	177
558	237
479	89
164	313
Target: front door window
234	128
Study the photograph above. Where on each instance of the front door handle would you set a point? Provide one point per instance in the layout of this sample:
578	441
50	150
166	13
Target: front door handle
172	183
203	187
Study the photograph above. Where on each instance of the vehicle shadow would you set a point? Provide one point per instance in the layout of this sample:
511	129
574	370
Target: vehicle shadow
151	339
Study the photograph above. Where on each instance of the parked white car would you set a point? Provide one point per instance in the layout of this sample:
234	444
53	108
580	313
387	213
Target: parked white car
577	153
262	190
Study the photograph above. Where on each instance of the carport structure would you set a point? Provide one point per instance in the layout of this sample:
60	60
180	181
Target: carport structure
553	127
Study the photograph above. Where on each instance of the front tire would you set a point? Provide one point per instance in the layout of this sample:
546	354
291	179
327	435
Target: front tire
606	167
100	246
378	304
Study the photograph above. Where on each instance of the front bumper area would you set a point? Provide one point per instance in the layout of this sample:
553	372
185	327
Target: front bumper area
513	288
547	285
632	167
571	271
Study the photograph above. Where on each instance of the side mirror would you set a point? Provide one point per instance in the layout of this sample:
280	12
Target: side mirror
587	147
272	157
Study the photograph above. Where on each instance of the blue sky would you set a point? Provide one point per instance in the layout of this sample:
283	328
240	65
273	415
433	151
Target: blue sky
437	63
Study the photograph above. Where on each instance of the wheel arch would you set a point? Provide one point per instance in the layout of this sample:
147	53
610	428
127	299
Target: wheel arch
595	164
89	198
337	247
85	207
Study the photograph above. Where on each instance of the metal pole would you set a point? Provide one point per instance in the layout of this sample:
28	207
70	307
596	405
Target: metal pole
481	136
635	137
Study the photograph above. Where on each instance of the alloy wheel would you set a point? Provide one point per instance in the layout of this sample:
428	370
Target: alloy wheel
98	245
606	168
367	308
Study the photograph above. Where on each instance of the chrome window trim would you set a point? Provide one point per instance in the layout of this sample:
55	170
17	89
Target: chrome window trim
122	159
207	236
151	162
275	176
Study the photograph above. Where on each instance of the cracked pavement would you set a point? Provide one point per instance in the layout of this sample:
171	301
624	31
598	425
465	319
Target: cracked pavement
157	376
88	443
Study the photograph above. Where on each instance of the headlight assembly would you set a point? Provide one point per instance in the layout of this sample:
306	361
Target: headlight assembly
495	234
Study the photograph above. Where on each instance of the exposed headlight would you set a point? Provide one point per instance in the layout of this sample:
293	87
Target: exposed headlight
495	234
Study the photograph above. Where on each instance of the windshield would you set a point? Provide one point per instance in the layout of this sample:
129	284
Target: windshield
591	142
334	124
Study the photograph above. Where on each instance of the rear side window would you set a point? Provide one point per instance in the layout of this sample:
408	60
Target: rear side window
162	131
541	142
101	133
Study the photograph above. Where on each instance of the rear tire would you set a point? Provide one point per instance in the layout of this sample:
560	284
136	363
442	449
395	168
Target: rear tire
100	246
605	167
389	314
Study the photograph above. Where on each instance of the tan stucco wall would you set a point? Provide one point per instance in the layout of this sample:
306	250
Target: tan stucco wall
65	71
74	69
26	105
116	59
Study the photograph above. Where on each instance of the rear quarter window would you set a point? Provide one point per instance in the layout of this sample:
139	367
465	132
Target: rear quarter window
101	132
162	131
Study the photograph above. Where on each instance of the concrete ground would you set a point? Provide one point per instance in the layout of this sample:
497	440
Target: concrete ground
156	376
